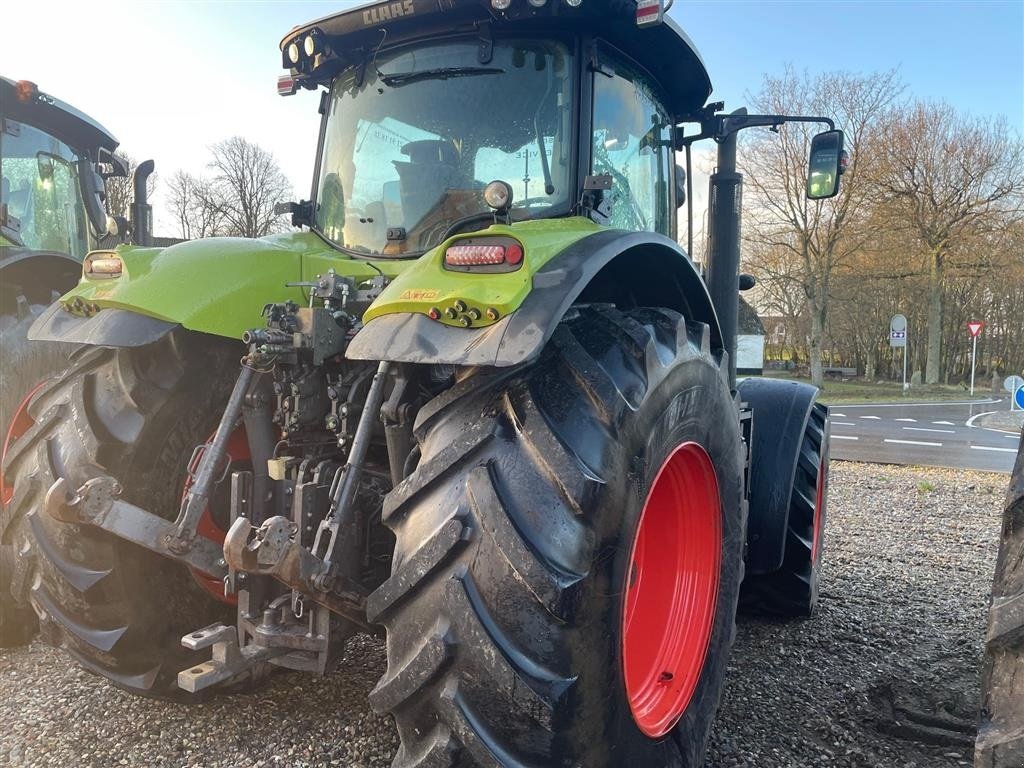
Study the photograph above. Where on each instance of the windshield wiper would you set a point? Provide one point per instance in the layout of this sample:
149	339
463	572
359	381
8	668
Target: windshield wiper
442	73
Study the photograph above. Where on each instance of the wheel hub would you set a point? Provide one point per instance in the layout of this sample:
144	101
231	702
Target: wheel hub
671	590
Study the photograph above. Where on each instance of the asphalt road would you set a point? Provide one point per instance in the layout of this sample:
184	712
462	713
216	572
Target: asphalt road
936	434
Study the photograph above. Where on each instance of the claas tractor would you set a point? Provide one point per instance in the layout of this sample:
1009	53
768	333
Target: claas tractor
479	402
54	161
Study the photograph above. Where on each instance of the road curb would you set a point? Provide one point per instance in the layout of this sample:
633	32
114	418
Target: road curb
1009	421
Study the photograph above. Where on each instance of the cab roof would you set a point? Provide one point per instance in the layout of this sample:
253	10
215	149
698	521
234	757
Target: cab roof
353	35
55	117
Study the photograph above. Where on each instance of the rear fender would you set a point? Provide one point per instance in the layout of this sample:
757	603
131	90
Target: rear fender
780	413
37	275
603	266
217	286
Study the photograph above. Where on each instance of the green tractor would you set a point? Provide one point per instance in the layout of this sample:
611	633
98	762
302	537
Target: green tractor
53	162
480	402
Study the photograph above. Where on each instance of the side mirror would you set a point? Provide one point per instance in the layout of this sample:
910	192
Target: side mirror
109	164
680	186
45	166
827	162
94	195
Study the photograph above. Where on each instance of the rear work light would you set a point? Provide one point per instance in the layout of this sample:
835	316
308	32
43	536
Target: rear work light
484	254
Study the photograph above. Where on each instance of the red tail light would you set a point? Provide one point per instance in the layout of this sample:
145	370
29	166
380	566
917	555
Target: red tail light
484	254
286	85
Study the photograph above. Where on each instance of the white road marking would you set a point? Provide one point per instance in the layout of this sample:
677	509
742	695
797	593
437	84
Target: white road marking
840	415
842	423
904	419
876	418
921	405
844	437
970	421
947	423
912	442
1012	437
926	429
991	448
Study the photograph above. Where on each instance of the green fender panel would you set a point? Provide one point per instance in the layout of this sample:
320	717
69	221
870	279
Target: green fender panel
218	285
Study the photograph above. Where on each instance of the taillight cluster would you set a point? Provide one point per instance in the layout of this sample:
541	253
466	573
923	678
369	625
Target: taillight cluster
102	265
484	254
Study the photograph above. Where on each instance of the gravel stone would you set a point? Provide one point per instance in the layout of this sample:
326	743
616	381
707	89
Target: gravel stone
885	675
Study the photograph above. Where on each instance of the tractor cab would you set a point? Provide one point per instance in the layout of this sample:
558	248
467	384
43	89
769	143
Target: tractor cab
571	107
52	162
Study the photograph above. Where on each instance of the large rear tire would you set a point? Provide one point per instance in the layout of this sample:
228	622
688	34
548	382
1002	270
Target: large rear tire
23	365
1001	734
134	414
792	590
512	611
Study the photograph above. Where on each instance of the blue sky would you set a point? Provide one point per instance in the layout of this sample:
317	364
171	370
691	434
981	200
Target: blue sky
171	78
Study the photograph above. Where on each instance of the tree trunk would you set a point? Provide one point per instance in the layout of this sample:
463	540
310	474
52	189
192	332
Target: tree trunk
817	331
931	374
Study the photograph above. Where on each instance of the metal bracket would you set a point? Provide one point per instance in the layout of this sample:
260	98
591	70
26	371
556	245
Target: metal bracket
96	503
229	659
272	550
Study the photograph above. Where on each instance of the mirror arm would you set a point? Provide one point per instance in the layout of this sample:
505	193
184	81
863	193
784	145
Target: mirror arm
718	127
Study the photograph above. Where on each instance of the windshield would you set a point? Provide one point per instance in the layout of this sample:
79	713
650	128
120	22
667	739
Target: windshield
39	187
408	153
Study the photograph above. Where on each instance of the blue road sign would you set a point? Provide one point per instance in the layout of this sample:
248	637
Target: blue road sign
1018	397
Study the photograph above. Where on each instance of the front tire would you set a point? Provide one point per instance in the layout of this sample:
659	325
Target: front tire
792	590
135	414
515	552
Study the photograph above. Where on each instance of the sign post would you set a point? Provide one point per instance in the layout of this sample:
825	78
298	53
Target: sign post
974	328
898	338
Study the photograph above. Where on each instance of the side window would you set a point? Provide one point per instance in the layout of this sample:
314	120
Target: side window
632	143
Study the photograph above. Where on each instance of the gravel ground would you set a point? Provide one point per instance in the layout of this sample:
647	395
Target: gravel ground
885	674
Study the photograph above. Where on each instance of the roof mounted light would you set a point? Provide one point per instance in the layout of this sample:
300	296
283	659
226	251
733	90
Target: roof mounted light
537	3
293	52
500	5
574	3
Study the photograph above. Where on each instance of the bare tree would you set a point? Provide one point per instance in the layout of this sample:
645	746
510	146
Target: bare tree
819	236
194	205
120	192
945	177
247	183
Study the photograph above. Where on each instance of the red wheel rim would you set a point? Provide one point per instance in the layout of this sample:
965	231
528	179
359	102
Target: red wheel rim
819	506
20	424
238	451
672	590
